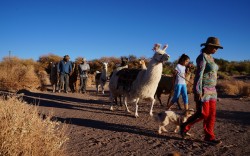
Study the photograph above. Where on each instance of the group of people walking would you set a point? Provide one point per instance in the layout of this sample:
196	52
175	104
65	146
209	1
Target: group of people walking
65	69
204	89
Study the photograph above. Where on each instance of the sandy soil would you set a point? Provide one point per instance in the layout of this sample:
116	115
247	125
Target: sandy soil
95	130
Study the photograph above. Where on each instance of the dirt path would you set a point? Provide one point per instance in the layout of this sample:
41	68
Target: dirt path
95	130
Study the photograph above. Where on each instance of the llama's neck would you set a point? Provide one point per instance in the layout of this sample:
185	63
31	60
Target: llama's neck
143	66
154	71
188	76
147	82
104	74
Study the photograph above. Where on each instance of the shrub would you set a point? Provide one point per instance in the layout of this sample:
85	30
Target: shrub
234	72
23	132
224	76
44	61
234	87
18	74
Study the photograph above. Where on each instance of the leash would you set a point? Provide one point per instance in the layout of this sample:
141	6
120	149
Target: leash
185	78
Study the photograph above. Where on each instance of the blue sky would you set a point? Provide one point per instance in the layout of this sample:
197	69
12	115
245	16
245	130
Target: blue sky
99	28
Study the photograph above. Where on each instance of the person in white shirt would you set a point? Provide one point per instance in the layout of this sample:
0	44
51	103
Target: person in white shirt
180	82
83	71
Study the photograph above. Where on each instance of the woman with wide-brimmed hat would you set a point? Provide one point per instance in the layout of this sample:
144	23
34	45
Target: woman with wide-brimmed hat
205	92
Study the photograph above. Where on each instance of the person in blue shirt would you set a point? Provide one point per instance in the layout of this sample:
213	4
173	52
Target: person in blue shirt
64	70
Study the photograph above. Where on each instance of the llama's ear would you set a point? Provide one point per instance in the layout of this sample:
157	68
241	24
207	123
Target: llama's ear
165	47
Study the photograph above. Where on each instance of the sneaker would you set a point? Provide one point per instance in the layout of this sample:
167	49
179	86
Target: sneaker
213	142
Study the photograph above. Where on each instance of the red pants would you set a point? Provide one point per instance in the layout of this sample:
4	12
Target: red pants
207	112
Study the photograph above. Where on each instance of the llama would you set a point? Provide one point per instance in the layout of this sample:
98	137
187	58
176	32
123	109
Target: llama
166	85
114	93
73	78
143	64
101	78
146	81
54	80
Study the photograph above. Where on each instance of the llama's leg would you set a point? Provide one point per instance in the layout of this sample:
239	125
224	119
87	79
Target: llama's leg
102	85
97	88
158	95
136	107
126	104
111	98
57	85
54	88
152	106
111	107
120	97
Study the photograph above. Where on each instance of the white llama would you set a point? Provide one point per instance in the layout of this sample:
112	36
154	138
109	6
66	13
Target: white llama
146	82
101	78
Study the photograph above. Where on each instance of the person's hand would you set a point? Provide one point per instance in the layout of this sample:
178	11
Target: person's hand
58	75
198	97
70	73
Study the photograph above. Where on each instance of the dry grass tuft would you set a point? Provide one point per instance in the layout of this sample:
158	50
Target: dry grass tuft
19	74
23	132
44	79
234	87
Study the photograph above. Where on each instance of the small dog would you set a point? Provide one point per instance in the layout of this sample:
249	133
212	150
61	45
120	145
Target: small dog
164	118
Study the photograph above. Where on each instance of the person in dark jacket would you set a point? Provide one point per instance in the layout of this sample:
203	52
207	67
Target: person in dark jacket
64	70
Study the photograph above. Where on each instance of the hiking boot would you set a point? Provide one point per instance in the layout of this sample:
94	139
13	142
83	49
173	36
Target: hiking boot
214	142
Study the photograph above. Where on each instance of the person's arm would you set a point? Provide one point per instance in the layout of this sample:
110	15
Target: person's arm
201	64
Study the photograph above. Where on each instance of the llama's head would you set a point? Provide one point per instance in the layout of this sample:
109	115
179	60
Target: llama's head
160	54
105	65
124	61
53	64
141	61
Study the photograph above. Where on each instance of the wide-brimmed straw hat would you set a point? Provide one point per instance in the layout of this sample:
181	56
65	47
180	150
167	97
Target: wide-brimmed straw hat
212	41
